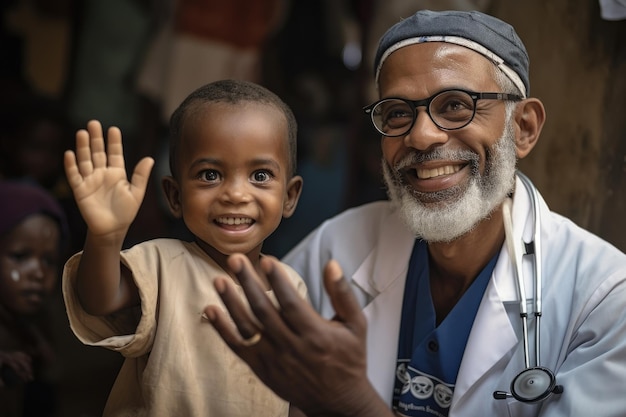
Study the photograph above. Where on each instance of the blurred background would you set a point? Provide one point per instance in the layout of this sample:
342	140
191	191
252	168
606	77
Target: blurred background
129	63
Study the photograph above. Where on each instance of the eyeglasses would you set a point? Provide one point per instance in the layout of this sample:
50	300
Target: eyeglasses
448	109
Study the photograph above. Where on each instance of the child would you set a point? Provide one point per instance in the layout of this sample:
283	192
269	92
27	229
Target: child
232	162
32	228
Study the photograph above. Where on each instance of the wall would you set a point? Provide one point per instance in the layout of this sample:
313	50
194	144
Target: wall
578	69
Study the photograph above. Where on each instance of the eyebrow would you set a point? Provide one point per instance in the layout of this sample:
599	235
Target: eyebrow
267	161
254	162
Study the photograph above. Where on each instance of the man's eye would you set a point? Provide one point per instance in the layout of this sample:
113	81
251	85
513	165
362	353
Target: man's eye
210	175
398	116
451	104
456	105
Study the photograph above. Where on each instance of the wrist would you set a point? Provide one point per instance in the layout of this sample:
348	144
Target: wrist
113	240
362	401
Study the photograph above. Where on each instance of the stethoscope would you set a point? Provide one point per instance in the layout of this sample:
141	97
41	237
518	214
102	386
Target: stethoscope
534	383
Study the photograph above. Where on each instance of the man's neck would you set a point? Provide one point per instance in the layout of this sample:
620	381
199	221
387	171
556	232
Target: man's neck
455	265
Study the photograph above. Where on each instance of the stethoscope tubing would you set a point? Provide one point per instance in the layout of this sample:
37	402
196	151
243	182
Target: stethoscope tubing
536	247
530	374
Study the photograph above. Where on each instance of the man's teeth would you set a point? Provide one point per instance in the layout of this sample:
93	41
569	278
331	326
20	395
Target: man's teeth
435	172
234	220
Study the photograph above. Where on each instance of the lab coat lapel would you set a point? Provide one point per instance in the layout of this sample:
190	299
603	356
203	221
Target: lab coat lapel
382	275
493	334
389	259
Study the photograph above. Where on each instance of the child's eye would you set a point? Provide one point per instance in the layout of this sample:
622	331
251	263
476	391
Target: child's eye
50	261
261	176
210	175
19	256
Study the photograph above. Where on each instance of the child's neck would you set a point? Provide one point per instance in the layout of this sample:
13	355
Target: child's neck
222	261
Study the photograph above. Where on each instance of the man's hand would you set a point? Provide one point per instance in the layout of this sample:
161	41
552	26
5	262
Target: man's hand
316	364
107	201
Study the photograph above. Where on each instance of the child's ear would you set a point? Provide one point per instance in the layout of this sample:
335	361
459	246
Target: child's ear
530	116
172	194
294	189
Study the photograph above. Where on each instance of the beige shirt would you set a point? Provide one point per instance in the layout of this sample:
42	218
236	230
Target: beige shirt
176	363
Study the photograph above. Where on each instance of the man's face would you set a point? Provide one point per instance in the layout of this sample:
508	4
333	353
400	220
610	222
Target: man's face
446	182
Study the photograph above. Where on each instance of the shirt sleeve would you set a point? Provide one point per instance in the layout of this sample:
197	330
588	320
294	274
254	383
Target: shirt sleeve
592	375
130	332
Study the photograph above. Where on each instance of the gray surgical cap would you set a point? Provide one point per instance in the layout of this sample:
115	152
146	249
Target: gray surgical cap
480	32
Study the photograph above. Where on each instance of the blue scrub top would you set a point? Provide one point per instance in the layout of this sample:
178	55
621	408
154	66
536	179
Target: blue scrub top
429	356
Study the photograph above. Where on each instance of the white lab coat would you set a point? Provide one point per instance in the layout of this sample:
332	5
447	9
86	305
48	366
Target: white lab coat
583	327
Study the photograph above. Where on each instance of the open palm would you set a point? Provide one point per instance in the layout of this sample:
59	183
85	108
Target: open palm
97	175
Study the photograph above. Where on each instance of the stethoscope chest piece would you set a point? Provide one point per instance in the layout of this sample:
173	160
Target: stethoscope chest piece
534	384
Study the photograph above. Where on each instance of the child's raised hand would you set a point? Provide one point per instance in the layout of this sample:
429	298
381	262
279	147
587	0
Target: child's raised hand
97	176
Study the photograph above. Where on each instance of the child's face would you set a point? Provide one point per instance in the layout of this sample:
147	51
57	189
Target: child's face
234	186
29	264
39	154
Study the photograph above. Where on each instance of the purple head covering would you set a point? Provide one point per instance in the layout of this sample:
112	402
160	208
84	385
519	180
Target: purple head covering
18	200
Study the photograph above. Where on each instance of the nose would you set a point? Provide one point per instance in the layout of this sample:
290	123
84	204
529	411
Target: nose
34	268
236	191
424	134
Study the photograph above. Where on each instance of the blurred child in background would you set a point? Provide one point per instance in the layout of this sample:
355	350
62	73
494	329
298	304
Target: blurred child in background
32	231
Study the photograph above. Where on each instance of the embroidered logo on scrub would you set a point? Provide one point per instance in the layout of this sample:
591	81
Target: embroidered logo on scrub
420	392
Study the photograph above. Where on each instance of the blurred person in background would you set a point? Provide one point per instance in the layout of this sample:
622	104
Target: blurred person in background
32	232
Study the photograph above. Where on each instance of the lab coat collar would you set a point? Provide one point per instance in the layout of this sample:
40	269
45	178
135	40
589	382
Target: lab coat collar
504	278
382	267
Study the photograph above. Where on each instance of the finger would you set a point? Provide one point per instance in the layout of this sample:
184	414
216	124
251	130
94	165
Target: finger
222	325
295	311
115	148
83	153
263	308
74	179
245	325
141	176
346	306
96	141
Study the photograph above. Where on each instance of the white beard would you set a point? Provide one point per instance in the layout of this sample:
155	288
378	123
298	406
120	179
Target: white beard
454	212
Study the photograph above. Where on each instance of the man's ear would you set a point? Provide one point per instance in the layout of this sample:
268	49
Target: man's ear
172	195
530	116
294	189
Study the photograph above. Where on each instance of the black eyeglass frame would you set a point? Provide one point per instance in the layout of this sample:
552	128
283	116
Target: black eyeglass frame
414	104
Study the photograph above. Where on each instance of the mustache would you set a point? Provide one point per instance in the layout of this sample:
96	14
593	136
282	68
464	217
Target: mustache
437	154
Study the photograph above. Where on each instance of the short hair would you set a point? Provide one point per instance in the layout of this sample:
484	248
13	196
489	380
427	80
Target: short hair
231	92
506	86
504	83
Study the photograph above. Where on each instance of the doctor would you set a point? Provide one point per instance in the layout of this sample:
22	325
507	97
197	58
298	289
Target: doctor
431	272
